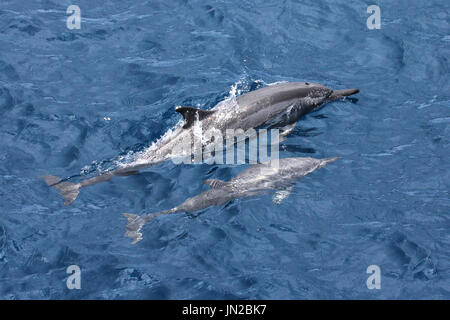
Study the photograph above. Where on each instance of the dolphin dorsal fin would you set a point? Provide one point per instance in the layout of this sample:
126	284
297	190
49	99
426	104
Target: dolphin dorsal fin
190	115
215	183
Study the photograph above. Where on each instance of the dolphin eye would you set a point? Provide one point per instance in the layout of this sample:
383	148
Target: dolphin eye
307	83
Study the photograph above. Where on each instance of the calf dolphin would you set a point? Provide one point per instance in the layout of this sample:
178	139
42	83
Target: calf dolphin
257	179
280	105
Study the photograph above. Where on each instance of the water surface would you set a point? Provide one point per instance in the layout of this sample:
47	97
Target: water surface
75	101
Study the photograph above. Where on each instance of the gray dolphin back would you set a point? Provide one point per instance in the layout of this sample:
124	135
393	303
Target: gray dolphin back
278	92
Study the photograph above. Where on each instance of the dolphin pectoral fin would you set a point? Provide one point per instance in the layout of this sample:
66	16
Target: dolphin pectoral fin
280	195
68	190
286	130
191	114
249	194
127	173
215	183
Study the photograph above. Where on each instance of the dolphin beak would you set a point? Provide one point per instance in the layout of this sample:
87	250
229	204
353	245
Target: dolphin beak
326	161
330	160
337	94
346	92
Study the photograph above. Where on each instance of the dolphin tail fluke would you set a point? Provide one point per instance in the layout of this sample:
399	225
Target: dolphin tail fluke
135	223
134	226
337	94
68	190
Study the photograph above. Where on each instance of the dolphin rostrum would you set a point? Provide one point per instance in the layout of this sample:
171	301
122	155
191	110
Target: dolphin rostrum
279	105
257	179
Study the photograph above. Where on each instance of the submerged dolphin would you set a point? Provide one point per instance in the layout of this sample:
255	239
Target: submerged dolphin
257	179
279	105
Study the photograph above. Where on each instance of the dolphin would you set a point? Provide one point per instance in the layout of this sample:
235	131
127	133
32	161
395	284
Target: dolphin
279	105
257	179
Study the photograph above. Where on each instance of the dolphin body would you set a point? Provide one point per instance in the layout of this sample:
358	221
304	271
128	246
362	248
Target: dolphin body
257	179
280	105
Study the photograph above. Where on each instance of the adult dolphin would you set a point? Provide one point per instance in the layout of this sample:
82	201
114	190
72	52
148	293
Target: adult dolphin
257	179
279	105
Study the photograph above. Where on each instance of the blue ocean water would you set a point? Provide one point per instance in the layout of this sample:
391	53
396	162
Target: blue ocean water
74	101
